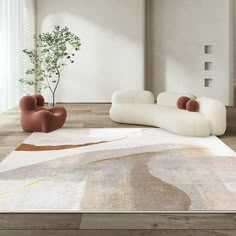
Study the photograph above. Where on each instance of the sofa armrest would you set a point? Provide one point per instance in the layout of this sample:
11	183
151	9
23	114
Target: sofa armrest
170	98
215	112
132	97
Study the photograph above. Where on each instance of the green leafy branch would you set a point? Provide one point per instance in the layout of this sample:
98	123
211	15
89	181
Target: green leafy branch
54	50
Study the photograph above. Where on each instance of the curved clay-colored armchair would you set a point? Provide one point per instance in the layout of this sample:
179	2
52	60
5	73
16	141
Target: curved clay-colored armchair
36	118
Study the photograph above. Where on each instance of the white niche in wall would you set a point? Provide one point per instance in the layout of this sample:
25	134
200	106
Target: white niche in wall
208	66
208	49
208	82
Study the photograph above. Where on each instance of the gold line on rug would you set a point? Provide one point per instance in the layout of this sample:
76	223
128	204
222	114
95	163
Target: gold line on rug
36	182
3	195
154	152
32	184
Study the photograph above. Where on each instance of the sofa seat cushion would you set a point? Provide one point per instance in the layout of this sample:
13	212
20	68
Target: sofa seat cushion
178	121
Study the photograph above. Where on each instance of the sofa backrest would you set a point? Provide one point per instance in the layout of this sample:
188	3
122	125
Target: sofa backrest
171	98
132	97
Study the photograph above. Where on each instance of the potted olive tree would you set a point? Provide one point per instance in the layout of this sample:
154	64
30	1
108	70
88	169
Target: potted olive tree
53	51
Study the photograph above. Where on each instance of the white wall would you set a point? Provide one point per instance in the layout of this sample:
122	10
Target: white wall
112	52
177	32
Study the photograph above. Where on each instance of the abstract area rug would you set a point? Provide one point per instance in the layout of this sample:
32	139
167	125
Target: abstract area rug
103	170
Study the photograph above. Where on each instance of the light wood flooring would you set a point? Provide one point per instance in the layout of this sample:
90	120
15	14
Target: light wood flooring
160	224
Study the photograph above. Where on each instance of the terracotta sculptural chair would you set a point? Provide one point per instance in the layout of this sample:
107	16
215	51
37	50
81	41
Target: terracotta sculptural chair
36	118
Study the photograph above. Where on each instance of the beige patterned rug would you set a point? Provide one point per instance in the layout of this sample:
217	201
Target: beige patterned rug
103	170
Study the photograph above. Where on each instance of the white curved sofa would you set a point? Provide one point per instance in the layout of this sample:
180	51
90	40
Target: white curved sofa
139	107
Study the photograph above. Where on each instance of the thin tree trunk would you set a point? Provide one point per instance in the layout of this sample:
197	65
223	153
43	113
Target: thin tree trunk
53	99
58	80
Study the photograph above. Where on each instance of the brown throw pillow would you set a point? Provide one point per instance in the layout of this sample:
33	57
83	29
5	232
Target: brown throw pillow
192	106
182	102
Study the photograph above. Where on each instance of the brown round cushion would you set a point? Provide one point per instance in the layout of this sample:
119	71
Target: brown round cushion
28	103
39	99
192	106
182	102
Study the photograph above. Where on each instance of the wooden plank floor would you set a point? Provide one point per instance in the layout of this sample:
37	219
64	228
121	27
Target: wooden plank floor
97	116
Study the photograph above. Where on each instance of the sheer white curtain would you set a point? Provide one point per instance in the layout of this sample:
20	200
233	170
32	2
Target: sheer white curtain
11	25
29	29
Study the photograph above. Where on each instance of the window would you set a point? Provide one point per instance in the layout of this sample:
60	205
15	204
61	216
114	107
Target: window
13	28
